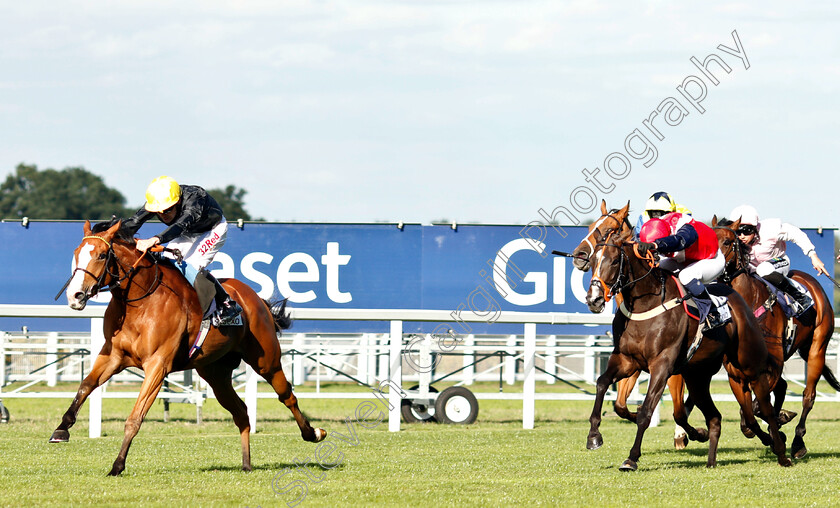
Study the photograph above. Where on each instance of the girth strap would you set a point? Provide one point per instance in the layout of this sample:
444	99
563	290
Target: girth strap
652	313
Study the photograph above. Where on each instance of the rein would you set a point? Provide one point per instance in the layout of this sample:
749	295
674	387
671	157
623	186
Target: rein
740	256
117	279
617	286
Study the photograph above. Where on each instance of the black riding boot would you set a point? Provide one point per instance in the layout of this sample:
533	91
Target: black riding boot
704	303
210	291
802	299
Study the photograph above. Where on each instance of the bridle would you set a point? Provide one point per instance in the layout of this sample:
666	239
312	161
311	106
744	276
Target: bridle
607	233
738	250
620	284
119	274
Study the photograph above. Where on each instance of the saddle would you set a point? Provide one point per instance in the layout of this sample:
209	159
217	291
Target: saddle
789	306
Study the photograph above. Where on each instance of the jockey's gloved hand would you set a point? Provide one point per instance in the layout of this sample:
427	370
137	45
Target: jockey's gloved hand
644	247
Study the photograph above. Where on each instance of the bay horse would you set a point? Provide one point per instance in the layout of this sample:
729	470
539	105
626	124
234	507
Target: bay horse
659	345
813	328
151	323
601	228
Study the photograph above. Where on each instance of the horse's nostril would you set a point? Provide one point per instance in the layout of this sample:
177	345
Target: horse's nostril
79	295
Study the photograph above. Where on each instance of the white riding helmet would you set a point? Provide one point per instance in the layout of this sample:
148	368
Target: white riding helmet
747	214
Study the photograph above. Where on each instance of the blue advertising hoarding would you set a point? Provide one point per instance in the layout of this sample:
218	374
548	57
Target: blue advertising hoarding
358	266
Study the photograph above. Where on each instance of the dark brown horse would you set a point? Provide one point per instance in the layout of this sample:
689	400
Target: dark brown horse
151	323
813	328
609	222
659	345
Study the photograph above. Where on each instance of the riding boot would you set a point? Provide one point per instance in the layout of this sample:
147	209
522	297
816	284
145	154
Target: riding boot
704	303
227	307
802	298
206	289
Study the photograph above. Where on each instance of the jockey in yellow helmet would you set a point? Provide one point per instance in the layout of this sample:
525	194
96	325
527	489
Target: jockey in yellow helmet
198	229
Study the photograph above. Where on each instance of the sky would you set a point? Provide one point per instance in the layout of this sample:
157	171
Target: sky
417	111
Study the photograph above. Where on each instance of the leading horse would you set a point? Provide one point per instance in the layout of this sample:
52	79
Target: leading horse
600	228
659	344
813	328
151	323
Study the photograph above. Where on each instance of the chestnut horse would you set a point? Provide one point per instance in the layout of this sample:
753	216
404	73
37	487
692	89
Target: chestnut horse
151	323
600	228
659	345
813	328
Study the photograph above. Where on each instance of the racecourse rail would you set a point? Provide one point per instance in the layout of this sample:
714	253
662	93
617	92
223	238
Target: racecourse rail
395	348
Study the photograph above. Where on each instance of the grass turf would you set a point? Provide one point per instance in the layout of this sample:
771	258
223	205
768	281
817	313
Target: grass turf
492	462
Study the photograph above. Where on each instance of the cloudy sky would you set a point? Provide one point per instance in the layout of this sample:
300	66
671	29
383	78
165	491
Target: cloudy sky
469	110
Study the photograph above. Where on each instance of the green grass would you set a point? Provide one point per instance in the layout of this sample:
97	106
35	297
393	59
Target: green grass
492	462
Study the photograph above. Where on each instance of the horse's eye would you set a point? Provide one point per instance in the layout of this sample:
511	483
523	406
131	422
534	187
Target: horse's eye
727	242
103	255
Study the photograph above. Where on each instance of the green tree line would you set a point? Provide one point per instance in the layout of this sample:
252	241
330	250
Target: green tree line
76	193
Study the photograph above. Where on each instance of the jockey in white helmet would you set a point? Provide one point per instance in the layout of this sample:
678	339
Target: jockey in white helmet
766	239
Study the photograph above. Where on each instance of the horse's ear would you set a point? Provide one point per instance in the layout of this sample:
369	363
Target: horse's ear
626	210
714	220
603	207
87	228
113	229
735	225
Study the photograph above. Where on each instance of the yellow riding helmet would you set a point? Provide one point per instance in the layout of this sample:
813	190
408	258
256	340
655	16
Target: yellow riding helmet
162	193
661	201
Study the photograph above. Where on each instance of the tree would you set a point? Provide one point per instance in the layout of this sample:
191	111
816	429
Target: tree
231	200
72	193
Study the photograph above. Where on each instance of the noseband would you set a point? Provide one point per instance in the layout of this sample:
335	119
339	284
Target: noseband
117	279
618	286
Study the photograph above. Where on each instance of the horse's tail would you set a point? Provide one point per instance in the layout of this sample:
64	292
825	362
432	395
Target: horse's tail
282	320
829	376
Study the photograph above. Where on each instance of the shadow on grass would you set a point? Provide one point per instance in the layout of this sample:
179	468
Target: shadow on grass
272	466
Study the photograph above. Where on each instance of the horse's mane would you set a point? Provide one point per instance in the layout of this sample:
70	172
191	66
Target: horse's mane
122	234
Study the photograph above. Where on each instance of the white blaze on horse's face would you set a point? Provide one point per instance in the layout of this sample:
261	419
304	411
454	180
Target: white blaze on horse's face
76	290
595	296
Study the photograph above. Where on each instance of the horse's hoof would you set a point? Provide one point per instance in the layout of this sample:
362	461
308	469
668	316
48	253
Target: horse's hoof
628	465
786	416
60	436
320	435
246	468
711	465
797	449
680	443
594	442
747	432
114	471
785	462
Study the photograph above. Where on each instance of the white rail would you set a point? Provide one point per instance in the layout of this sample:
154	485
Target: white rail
396	317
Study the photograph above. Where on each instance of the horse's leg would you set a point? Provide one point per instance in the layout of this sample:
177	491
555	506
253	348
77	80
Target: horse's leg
656	386
283	388
612	373
698	389
103	368
625	386
749	425
815	364
761	387
219	378
676	387
779	394
148	393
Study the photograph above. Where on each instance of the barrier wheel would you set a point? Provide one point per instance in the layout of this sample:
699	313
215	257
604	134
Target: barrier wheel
456	404
4	414
418	413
